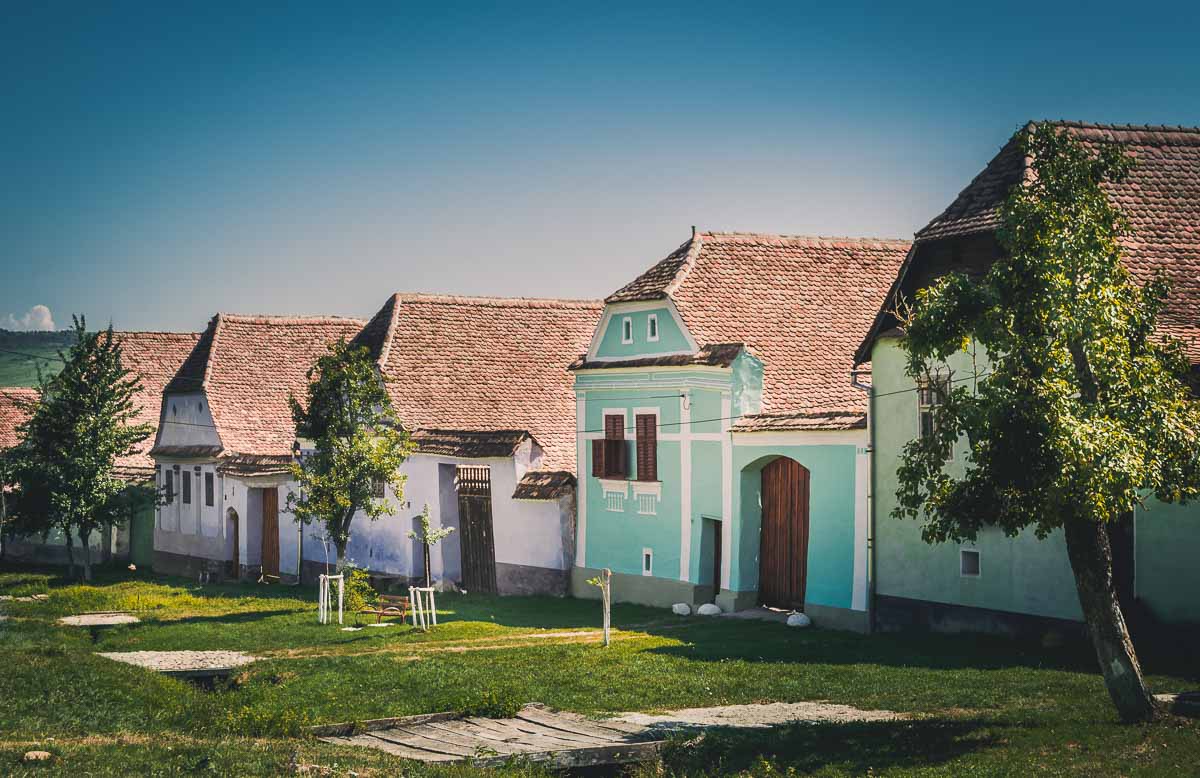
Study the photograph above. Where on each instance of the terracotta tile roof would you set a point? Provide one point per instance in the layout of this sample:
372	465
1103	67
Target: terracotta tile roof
544	485
245	464
485	364
848	419
709	355
469	444
155	357
1161	199
798	303
13	412
248	365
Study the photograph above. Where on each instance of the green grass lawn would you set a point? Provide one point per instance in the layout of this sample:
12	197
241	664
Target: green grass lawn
981	705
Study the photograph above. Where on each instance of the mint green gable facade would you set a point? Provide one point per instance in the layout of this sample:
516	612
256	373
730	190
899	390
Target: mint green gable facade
1020	576
663	539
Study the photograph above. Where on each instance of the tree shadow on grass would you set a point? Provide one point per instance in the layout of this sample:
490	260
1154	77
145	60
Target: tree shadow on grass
854	747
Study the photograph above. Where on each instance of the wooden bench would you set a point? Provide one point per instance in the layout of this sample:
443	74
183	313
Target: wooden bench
389	605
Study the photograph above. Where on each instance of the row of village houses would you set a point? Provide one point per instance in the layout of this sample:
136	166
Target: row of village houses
717	430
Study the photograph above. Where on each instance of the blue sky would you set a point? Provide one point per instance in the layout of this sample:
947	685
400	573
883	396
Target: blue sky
161	165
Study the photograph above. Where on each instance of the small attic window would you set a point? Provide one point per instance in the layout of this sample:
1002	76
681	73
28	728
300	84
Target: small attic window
627	330
200	405
652	327
174	410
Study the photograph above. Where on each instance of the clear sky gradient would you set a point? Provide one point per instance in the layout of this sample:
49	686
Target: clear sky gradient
160	165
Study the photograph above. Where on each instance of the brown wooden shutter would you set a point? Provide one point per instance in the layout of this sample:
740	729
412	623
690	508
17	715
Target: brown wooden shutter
614	427
647	447
618	458
598	458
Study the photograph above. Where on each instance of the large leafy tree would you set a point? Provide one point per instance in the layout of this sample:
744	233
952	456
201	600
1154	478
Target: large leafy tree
1082	411
357	448
64	466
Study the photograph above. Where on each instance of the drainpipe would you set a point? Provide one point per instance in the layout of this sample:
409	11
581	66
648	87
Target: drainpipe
869	390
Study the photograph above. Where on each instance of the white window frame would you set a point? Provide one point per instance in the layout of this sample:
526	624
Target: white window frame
647	561
626	330
652	330
938	380
962	553
647	504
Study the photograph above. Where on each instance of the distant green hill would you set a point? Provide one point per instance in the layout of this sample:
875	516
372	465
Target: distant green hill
32	349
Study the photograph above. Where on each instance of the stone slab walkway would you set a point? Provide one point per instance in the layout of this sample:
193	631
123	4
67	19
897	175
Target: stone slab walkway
99	619
184	663
770	714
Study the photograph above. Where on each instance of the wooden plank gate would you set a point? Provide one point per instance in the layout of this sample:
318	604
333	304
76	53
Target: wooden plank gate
783	549
478	543
270	532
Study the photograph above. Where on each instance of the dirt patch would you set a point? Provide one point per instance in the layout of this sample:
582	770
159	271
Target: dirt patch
753	716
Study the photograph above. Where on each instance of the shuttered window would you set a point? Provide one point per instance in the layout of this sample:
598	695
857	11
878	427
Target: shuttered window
187	488
609	457
647	447
208	489
170	487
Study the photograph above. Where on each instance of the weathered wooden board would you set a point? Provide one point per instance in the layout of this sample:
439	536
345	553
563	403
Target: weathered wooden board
552	738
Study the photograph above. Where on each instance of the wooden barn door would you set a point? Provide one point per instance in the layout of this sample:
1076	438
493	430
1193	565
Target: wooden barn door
478	543
270	531
783	549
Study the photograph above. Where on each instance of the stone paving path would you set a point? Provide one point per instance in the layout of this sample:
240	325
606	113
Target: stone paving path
186	663
99	619
764	715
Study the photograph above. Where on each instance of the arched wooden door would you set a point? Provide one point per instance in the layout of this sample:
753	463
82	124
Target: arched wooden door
783	547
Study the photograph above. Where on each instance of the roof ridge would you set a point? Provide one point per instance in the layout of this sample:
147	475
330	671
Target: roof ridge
1178	128
266	318
488	300
155	332
208	360
811	239
694	244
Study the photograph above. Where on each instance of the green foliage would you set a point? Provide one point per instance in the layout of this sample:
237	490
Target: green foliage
1083	409
492	702
83	421
359	593
347	416
427	535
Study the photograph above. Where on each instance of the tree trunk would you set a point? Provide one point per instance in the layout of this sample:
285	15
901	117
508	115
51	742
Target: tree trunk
87	556
1091	561
428	576
341	558
70	554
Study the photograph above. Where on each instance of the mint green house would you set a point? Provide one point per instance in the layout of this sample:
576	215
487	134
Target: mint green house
1022	584
722	448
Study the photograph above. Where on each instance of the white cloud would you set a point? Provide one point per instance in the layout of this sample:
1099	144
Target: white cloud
36	318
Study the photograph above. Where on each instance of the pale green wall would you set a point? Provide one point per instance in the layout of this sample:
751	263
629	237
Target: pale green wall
1167	547
671	338
1021	574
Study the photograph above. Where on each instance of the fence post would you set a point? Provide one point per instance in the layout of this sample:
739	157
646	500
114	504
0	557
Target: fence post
606	596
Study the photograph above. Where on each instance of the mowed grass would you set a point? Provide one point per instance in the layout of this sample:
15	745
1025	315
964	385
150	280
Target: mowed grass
980	705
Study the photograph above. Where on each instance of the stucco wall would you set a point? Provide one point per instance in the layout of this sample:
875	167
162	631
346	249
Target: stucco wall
1022	574
529	533
671	336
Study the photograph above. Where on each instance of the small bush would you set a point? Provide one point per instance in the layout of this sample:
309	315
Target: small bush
489	703
359	594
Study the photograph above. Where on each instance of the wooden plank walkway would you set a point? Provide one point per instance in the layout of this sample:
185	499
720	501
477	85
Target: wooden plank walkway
556	739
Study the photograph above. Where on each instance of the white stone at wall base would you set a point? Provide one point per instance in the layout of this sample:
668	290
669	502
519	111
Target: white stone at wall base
799	620
681	609
709	609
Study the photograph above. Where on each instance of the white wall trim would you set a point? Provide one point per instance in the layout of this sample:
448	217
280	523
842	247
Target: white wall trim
862	463
652	331
615	486
685	488
626	330
647	487
727	491
647	552
581	481
800	437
